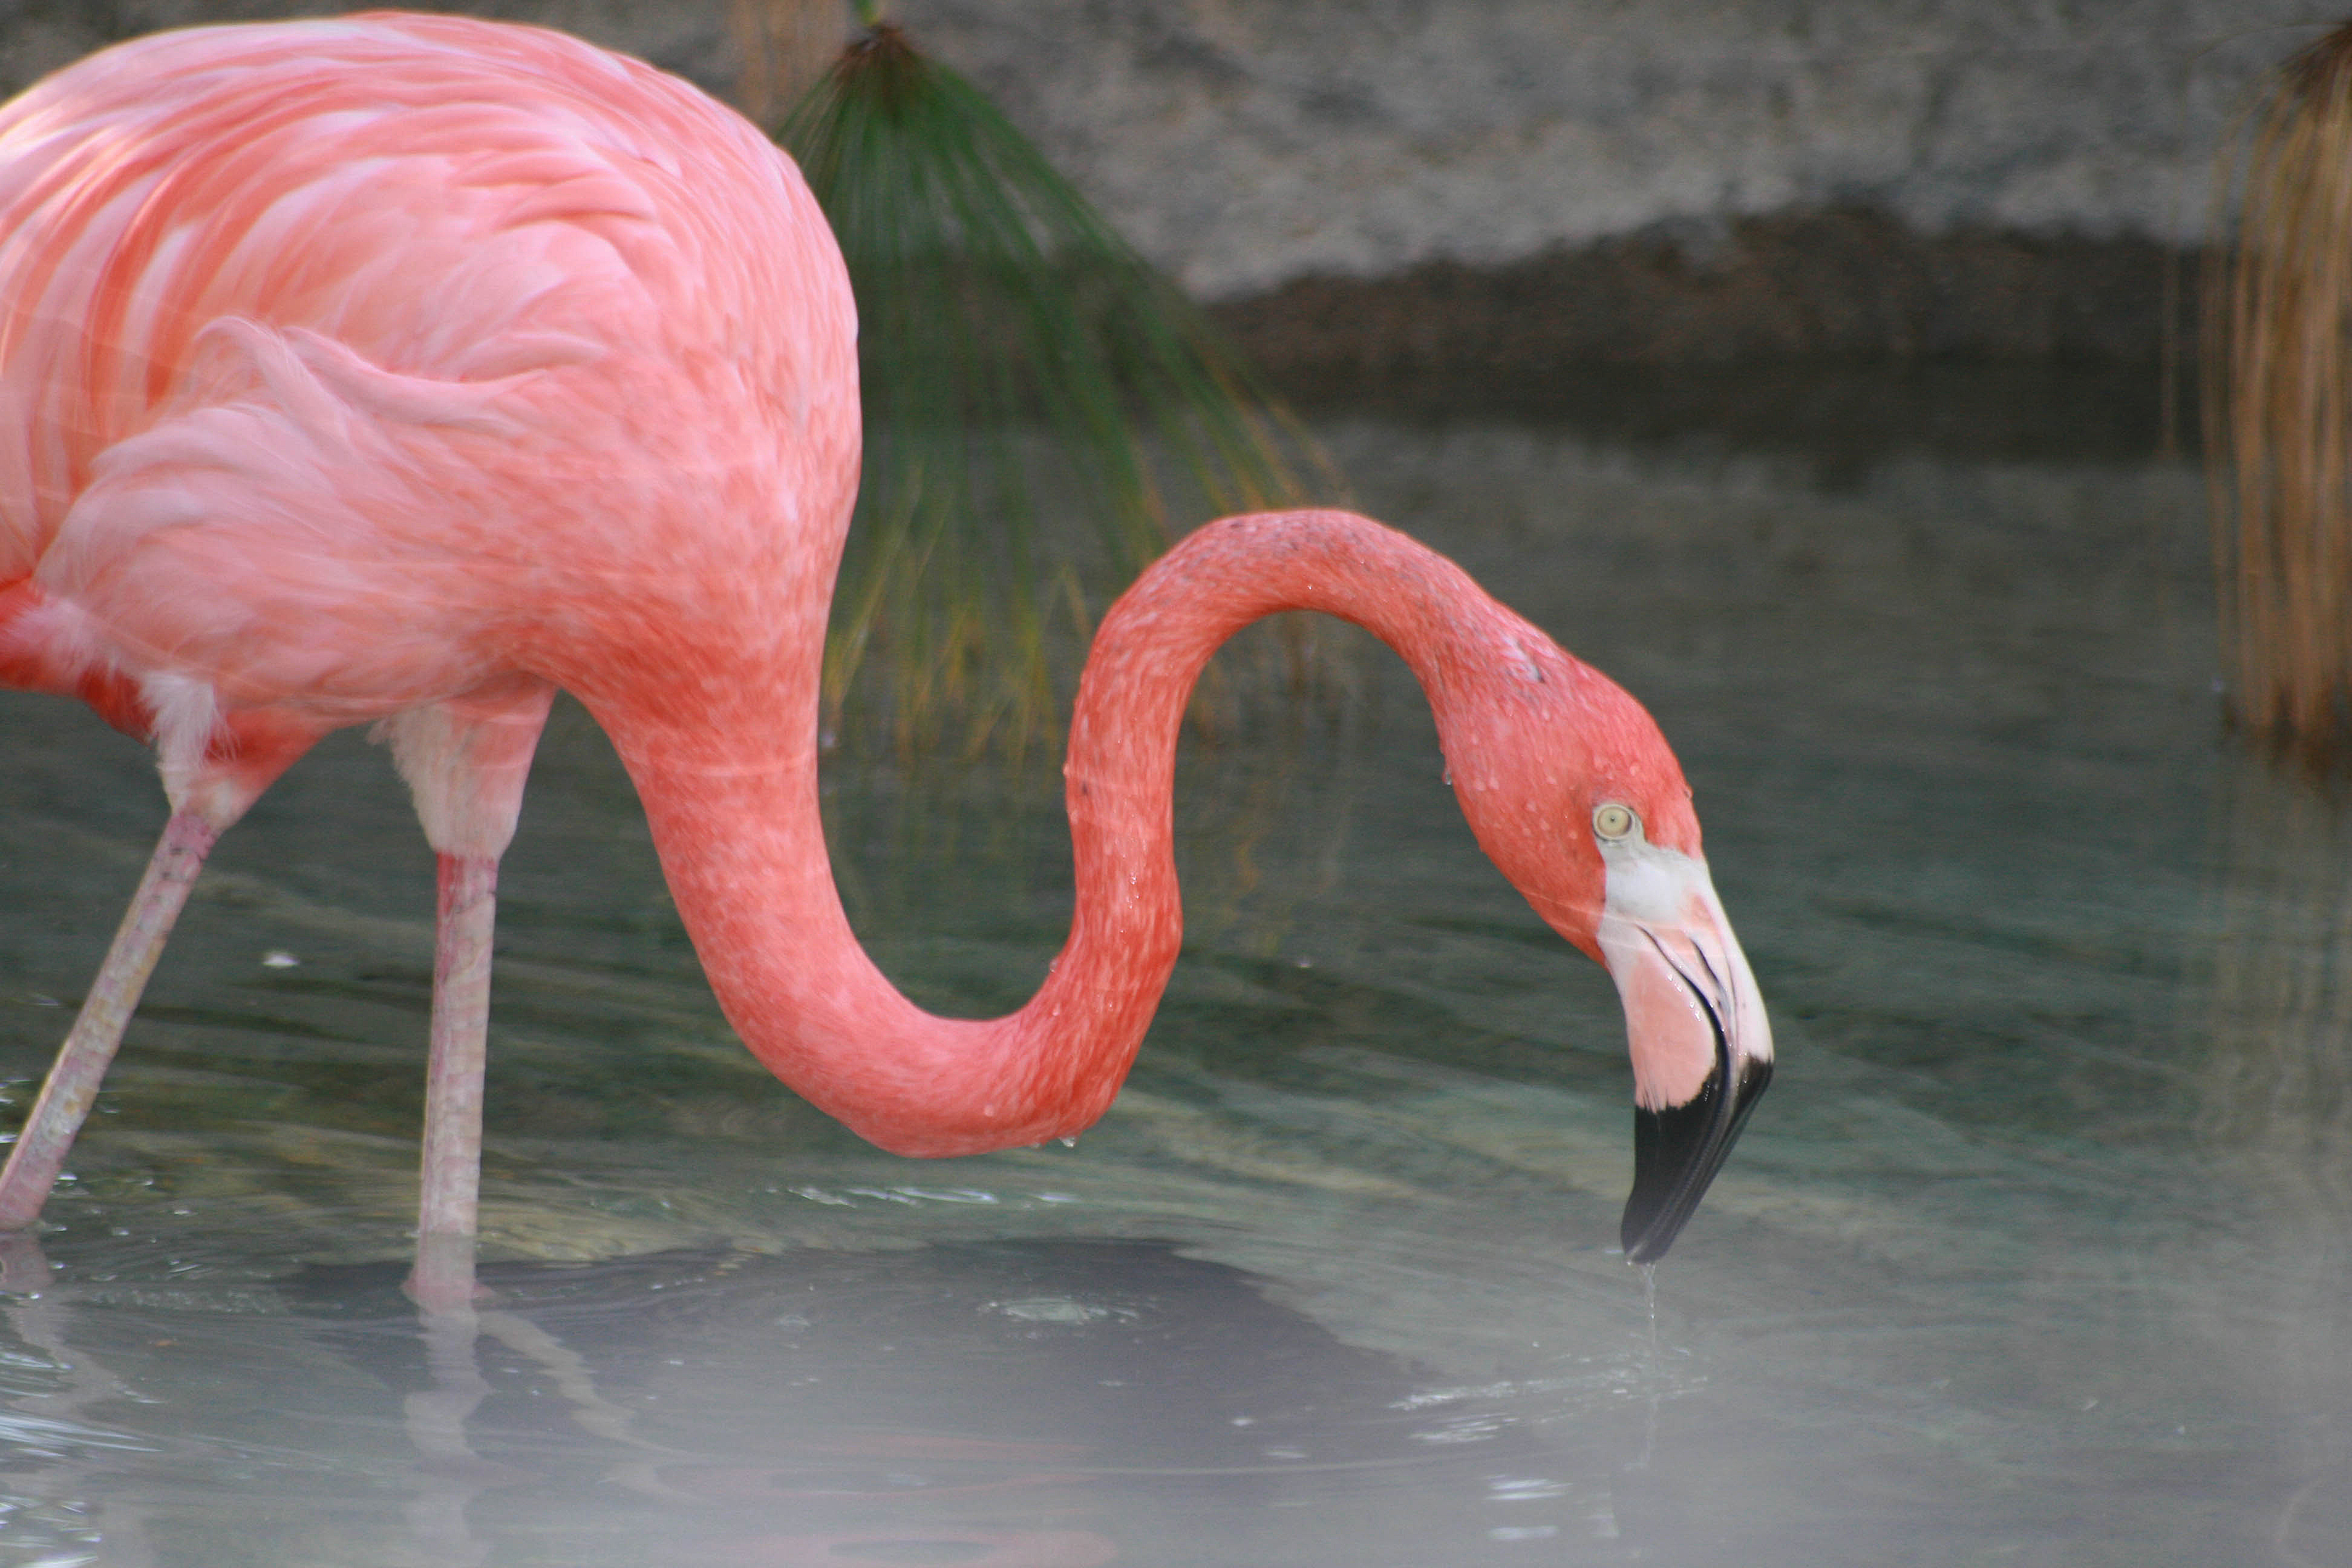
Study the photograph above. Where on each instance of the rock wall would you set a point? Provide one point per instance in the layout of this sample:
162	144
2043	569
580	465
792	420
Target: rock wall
1703	178
1392	190
1245	145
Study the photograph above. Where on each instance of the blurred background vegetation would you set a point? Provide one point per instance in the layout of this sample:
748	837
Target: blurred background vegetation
1013	348
2278	310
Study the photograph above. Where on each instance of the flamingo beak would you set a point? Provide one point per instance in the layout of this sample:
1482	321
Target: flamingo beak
1701	1044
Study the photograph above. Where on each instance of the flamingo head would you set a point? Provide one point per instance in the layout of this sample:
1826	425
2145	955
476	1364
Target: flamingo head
1571	789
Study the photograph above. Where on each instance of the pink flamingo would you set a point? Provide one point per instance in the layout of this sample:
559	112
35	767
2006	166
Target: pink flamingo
400	369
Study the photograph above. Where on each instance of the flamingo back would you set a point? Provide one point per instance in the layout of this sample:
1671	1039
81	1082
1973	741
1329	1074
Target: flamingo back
345	365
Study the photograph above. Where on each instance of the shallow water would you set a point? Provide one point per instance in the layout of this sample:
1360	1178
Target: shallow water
2037	1251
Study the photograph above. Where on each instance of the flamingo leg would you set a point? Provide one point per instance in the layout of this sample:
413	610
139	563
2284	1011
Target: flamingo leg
72	1087
451	1178
465	760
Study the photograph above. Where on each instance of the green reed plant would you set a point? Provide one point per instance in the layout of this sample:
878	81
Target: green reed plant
1025	370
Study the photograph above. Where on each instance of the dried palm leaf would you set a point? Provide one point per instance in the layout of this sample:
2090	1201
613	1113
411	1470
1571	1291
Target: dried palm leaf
2277	310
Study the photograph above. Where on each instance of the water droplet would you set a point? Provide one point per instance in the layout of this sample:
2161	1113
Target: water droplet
947	1195
1057	1309
278	958
819	1196
1513	1489
889	1195
1069	1142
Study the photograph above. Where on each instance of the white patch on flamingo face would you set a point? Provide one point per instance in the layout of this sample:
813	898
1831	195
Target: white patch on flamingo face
1679	971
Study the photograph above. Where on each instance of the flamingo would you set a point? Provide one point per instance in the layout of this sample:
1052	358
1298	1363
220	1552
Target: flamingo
401	370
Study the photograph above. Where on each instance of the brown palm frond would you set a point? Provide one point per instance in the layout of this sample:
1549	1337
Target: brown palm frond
2277	311
781	49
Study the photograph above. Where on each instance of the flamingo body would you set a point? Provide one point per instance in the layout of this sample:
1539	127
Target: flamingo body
410	338
402	370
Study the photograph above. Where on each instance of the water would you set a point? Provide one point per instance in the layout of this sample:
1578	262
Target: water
2036	1252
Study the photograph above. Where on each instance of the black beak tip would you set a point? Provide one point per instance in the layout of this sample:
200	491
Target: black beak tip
1678	1152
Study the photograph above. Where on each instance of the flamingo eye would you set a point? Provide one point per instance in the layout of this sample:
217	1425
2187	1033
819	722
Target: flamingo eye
1613	822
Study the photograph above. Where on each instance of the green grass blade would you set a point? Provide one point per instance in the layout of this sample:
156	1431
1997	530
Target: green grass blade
1045	411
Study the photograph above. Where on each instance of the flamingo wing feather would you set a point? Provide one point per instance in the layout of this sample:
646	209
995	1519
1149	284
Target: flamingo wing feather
216	357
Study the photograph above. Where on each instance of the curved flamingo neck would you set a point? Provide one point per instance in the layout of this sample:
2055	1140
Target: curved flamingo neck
734	812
